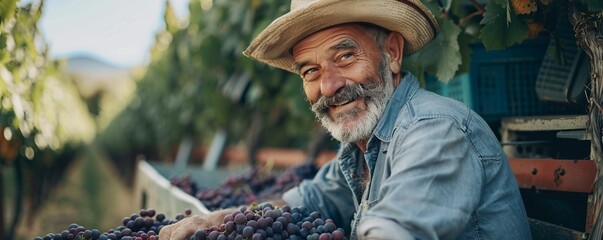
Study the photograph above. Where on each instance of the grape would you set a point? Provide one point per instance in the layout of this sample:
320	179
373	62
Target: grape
329	227
257	236
277	227
240	218
185	183
230	227
213	235
253	223
283	220
307	225
247	188
160	217
248	231
318	222
200	235
270	214
338	234
138	226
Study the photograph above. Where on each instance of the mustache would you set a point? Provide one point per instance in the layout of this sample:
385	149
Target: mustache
346	94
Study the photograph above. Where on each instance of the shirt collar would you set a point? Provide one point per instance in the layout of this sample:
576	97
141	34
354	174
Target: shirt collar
407	87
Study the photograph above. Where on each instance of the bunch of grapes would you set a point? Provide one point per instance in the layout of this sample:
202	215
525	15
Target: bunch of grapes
247	188
236	190
289	179
270	223
185	183
144	225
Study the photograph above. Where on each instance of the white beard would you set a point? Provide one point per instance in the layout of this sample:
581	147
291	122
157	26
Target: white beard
355	125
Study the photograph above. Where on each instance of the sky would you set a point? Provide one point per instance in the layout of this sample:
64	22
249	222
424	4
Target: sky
119	32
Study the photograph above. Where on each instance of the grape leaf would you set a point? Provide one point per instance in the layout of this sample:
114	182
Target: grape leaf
498	33
442	56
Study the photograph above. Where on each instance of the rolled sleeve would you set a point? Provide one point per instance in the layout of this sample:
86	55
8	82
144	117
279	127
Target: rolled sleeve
434	186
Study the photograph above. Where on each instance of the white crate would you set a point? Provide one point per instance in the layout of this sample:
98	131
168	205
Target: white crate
152	190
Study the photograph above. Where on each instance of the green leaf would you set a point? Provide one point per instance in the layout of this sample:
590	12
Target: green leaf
442	57
7	9
498	33
171	19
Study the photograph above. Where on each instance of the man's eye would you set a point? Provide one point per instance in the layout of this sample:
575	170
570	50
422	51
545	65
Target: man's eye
309	74
311	70
346	56
346	59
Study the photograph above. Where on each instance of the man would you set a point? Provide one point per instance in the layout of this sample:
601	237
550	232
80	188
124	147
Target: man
412	165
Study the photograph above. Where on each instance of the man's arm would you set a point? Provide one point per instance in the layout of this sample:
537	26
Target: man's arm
434	185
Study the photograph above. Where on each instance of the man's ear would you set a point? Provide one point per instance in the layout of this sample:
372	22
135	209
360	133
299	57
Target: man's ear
394	46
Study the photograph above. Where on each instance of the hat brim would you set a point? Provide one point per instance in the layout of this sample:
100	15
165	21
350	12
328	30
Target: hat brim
411	18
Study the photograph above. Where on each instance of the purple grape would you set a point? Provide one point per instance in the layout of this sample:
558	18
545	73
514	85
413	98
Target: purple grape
230	227
253	224
228	218
240	218
277	227
248	232
213	235
262	223
257	236
325	236
338	234
160	217
329	227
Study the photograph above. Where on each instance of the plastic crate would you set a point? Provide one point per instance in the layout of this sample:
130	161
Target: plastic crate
564	72
153	190
458	88
503	83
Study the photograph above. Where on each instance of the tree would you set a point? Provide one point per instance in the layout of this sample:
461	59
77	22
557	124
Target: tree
198	82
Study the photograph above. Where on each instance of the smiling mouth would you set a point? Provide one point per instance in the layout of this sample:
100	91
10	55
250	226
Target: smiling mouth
342	103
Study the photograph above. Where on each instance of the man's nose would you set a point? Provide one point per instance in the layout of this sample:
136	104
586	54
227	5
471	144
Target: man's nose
331	81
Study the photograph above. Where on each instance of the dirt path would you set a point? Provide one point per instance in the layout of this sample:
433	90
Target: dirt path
91	195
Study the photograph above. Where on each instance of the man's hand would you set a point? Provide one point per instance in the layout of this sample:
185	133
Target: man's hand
186	227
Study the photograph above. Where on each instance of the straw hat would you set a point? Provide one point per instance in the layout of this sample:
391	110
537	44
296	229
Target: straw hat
409	17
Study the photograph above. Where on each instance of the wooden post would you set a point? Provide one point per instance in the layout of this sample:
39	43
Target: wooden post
589	37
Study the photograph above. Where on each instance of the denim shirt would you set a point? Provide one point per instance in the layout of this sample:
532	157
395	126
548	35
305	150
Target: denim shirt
437	172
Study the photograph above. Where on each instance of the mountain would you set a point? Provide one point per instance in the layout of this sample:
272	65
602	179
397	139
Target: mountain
92	75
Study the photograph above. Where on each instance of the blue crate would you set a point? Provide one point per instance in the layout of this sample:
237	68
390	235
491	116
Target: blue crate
501	83
458	88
